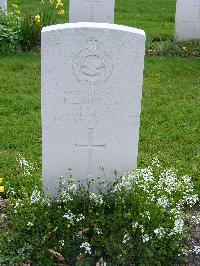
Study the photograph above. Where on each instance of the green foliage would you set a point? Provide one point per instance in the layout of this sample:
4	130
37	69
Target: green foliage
29	33
9	32
140	218
50	12
22	31
173	48
156	17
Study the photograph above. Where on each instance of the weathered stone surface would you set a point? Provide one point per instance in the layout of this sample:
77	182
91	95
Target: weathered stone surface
187	25
92	76
92	11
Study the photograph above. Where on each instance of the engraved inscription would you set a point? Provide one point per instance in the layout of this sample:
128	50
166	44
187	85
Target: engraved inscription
92	65
90	106
90	146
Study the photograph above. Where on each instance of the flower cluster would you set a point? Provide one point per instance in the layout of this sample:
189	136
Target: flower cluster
87	248
56	5
195	250
26	167
142	212
35	197
37	19
166	192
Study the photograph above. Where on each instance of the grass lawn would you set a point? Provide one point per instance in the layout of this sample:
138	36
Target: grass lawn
170	127
156	17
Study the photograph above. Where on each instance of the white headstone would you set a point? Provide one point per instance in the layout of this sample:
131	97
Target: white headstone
92	11
187	25
3	5
92	75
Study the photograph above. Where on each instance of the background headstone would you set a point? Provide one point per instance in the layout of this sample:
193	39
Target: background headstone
92	75
92	11
3	5
187	24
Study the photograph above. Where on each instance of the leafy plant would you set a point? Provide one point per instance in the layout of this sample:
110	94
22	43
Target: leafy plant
9	32
173	48
22	31
140	219
31	26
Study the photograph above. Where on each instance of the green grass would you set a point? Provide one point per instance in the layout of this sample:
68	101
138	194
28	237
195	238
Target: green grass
20	130
156	17
170	124
170	127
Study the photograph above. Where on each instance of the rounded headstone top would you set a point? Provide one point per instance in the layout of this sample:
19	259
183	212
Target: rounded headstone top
94	26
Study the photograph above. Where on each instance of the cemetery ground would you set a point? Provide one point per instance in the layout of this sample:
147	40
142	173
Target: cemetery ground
170	117
170	112
169	133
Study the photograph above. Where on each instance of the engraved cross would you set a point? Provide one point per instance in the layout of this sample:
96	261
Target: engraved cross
90	146
92	2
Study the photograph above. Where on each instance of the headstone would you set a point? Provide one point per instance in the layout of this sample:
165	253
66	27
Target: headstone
92	11
92	75
3	5
187	25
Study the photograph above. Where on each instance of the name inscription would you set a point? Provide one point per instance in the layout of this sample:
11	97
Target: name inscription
91	106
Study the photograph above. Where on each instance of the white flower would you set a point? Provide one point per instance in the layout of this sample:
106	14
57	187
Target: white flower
86	247
195	250
97	199
160	232
141	228
64	197
29	224
127	182
117	188
80	217
72	187
144	187
69	216
18	203
186	179
61	243
147	174
126	239
191	199
135	225
72	218
146	214
98	231
163	201
11	191
184	252
156	162
35	197
23	163
168	181
46	201
146	238
178	226
27	167
195	220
